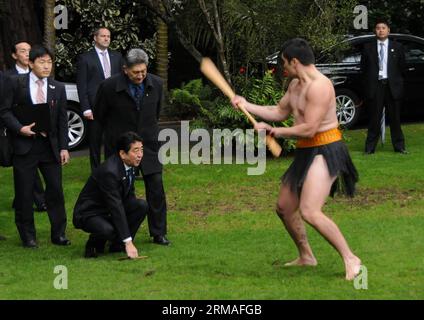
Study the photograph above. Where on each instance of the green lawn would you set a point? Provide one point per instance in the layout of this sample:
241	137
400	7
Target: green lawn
227	242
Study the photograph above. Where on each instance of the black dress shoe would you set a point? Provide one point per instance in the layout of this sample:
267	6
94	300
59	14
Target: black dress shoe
369	152
161	240
61	241
90	251
30	244
402	151
40	208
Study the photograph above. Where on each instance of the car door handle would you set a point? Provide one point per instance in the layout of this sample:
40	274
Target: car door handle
411	69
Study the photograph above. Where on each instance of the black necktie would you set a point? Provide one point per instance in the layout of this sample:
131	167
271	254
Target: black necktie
138	93
130	176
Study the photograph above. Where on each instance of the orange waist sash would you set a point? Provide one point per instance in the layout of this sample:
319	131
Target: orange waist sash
320	139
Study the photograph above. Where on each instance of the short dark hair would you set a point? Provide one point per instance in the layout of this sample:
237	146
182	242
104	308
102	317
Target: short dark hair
38	51
97	30
13	47
125	141
381	20
300	49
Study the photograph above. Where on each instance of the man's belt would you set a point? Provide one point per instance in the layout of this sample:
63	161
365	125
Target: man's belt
320	139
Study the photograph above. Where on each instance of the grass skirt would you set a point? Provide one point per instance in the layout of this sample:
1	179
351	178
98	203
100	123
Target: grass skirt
339	164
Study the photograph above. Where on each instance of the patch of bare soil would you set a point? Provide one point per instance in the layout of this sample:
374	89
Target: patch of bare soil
369	197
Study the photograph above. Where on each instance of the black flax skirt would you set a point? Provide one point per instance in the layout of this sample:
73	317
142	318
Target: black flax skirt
339	164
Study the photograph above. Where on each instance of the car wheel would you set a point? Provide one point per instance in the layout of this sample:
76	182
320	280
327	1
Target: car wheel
347	107
77	128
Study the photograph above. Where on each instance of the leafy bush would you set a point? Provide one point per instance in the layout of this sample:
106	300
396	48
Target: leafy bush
120	16
211	110
185	103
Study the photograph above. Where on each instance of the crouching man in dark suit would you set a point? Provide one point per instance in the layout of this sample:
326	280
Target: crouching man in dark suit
107	207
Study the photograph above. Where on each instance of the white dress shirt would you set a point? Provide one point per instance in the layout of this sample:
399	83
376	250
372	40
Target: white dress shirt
21	70
34	87
100	55
383	73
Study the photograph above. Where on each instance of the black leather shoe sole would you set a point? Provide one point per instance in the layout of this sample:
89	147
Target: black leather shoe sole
401	151
161	240
32	244
61	242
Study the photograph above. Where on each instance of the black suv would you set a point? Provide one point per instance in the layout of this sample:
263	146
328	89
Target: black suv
341	64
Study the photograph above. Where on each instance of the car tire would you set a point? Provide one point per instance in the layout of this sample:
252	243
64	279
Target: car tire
347	108
77	127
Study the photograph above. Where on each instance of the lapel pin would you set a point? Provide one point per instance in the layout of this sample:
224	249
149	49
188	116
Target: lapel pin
51	87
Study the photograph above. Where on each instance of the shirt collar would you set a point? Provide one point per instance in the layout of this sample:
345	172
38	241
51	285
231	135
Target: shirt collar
127	167
385	42
34	78
100	51
21	70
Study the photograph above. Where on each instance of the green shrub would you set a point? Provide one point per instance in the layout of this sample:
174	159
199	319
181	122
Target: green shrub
185	103
220	114
208	108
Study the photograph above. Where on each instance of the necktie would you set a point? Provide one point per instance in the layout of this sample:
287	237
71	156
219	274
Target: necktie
106	65
40	97
130	177
138	93
381	61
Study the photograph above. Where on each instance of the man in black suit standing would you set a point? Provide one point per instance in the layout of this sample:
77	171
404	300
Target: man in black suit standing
20	53
1	99
382	65
93	67
132	101
107	207
46	150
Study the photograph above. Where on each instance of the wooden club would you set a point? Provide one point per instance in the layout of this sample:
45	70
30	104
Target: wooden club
209	69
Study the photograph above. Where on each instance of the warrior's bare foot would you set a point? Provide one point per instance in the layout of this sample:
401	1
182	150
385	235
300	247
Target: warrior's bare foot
353	266
302	261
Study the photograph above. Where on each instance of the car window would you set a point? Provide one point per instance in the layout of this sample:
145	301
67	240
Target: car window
414	52
343	53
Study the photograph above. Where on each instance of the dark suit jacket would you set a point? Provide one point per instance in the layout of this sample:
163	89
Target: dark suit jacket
90	74
19	94
1	95
11	72
395	68
106	193
1	86
116	110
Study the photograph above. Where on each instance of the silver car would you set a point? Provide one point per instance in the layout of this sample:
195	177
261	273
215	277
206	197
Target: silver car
76	122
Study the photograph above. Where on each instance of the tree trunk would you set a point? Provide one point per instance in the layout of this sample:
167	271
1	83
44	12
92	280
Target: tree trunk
171	23
214	23
49	29
18	21
162	51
